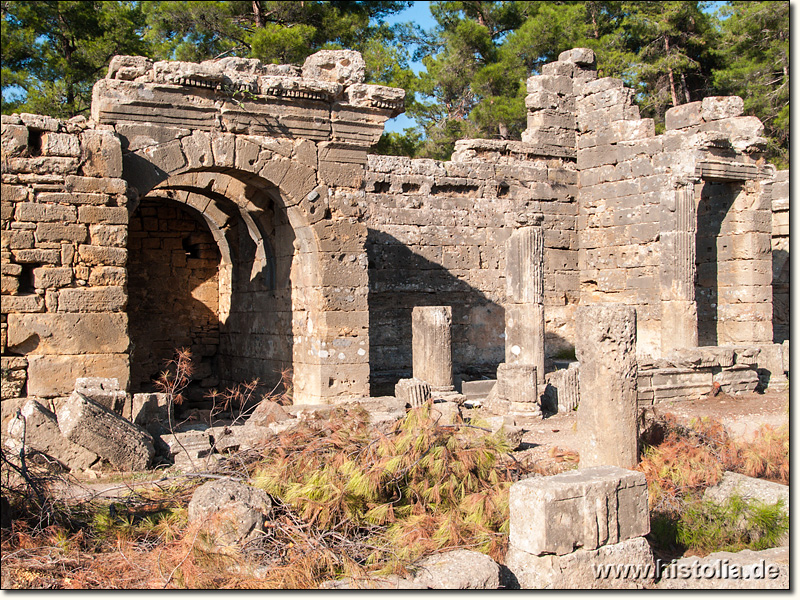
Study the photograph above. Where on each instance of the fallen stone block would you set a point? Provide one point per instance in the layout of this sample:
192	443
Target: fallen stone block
585	569
586	509
39	428
235	512
414	392
187	449
745	570
88	424
457	570
102	390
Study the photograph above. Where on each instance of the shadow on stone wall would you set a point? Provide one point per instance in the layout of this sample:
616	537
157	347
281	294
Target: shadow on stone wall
399	280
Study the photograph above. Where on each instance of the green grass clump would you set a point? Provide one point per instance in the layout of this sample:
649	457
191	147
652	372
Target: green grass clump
734	525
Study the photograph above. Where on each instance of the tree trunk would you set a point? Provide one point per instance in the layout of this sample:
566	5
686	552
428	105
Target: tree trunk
685	88
671	76
503	129
258	13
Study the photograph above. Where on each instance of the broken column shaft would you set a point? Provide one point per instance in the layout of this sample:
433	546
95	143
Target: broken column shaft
525	299
606	349
432	357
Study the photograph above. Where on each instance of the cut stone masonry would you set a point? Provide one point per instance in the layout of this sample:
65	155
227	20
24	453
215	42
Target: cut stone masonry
233	208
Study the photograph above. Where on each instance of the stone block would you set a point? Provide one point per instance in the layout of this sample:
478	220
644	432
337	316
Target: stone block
457	570
17	239
108	235
60	144
582	509
27	303
581	569
517	383
88	424
14	140
68	333
414	392
56	232
102	255
95	185
92	299
150	408
109	215
721	107
339	66
737	380
40	122
104	391
45	213
685	115
749	488
52	277
101	154
580	56
39	428
54	375
240	510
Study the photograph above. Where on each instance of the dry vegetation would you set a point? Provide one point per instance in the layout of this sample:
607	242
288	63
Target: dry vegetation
351	498
680	462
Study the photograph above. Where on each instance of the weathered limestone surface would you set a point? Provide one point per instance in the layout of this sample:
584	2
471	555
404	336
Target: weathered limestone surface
578	570
745	570
433	361
235	512
93	426
280	205
562	527
37	428
588	508
415	392
607	417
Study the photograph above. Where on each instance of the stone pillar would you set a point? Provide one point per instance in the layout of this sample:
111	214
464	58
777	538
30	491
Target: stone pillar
525	299
432	356
517	386
607	415
678	270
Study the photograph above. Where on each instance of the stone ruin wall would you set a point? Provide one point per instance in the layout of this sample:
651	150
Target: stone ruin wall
323	250
780	257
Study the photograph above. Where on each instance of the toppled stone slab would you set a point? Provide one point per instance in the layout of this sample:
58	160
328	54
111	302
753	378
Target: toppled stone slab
584	569
88	424
102	390
745	570
235	512
586	509
38	427
457	570
187	450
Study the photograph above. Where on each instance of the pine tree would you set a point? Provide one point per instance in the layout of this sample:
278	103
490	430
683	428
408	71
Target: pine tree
53	52
755	55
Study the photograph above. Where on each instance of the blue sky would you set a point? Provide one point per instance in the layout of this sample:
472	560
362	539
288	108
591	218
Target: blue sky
419	13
